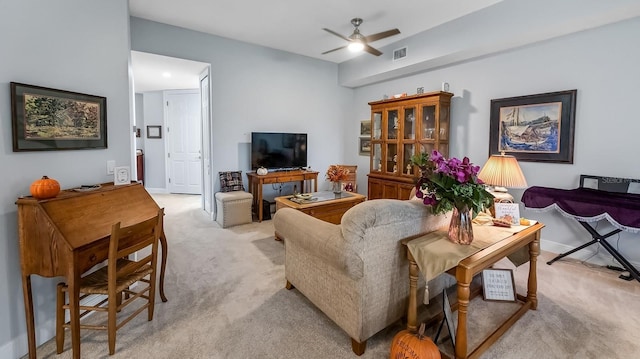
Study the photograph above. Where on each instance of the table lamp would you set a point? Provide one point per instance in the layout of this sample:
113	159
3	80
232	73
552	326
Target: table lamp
502	171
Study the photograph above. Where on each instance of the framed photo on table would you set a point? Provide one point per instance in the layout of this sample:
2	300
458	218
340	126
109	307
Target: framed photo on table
504	209
46	119
121	175
498	285
537	128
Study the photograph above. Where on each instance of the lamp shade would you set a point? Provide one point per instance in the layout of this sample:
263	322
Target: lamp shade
504	171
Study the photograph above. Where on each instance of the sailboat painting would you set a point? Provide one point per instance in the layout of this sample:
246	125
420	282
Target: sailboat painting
530	128
538	128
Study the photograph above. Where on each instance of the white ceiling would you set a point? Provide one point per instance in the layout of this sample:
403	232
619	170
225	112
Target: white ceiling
148	71
289	25
296	25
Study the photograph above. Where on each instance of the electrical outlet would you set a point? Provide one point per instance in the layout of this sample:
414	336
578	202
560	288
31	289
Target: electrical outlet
111	164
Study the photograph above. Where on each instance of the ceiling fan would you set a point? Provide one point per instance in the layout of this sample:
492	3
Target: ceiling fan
357	41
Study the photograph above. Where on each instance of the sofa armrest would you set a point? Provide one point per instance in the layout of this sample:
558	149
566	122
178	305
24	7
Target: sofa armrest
319	238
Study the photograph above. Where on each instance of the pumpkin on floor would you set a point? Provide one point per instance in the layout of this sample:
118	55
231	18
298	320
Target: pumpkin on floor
407	345
44	188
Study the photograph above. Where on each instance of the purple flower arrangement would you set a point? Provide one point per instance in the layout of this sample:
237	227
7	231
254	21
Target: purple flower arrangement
448	183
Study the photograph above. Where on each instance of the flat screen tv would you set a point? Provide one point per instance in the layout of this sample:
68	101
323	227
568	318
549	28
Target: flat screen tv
278	151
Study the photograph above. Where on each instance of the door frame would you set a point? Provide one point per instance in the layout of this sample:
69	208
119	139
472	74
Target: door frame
207	176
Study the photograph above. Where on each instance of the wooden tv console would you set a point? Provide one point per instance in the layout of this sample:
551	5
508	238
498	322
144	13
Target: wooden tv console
256	182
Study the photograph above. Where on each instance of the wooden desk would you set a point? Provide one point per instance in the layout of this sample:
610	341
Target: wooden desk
69	234
466	270
257	181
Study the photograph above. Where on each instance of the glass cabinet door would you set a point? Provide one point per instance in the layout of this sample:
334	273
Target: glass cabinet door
408	151
444	123
409	125
429	122
376	157
392	124
392	158
376	126
444	149
427	148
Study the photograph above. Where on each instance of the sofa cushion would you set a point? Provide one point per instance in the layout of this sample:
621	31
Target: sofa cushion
389	217
231	181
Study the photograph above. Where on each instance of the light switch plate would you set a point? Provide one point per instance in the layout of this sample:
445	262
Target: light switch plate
111	164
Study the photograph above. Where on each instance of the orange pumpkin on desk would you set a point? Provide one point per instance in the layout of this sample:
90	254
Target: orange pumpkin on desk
45	188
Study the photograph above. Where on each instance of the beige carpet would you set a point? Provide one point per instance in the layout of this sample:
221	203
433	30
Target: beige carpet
227	300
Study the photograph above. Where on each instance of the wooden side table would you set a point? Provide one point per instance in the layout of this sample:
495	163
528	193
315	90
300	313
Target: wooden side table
466	270
256	182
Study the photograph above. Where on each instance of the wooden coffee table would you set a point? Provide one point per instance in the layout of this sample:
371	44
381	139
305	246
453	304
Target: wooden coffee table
325	205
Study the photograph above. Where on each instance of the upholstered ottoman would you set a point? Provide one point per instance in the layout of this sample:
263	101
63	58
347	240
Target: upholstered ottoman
233	208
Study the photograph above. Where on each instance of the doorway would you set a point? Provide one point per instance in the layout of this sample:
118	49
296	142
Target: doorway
153	76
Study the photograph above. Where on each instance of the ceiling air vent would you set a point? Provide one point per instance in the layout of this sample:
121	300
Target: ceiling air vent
400	53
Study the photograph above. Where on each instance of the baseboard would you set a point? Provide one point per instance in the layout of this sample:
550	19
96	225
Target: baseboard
157	190
593	254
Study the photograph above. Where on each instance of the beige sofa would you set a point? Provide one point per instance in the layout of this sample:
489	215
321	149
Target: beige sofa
357	272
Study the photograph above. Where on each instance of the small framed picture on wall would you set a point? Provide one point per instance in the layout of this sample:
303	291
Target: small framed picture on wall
365	146
154	131
365	128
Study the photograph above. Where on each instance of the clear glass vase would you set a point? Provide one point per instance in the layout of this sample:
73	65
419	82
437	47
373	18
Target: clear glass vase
460	228
336	187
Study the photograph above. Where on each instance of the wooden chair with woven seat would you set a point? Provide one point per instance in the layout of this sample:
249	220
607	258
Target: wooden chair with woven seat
116	279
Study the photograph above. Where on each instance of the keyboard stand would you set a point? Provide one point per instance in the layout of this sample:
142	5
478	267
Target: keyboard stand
601	238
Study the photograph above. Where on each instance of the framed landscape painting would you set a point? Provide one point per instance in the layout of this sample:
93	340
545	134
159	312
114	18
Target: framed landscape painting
365	128
536	128
45	119
365	146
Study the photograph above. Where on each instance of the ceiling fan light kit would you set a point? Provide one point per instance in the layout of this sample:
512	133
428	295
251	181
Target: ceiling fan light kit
358	42
355	46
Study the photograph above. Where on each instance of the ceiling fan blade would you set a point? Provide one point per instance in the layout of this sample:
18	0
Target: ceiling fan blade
381	35
336	49
335	33
371	50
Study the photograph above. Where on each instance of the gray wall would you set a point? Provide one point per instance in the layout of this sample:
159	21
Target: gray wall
155	164
258	89
40	47
139	121
602	64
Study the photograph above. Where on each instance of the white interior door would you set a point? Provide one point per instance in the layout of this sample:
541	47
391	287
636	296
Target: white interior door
182	109
207	184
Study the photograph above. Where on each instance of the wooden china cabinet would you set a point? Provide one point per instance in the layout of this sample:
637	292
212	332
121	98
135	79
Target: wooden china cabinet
400	128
